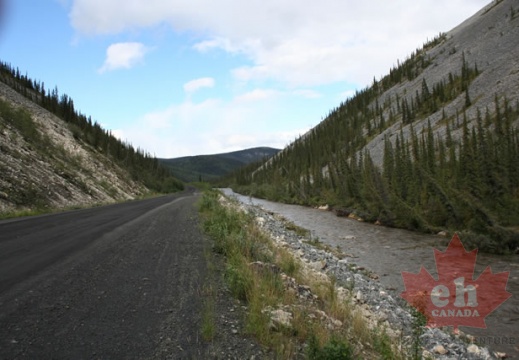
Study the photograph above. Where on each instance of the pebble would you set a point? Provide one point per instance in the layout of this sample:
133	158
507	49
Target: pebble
383	305
440	349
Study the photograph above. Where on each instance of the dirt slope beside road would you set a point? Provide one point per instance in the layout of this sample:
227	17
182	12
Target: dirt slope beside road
132	292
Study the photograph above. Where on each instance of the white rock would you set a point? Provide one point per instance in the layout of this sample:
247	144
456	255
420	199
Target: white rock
382	317
280	317
426	355
439	349
474	349
342	294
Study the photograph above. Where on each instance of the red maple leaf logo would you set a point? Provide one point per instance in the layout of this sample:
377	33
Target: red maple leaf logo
455	299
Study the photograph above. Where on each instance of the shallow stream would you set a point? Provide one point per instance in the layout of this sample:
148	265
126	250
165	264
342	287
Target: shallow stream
387	252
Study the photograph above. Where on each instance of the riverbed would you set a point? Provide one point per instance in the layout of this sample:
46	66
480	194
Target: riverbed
388	252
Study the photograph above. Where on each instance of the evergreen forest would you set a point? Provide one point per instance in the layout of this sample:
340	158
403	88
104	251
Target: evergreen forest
460	173
142	166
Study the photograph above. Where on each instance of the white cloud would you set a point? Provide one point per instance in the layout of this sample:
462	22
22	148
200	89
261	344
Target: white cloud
298	44
194	85
285	48
308	94
258	94
208	127
123	56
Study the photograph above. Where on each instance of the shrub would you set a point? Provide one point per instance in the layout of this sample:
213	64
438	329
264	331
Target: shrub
333	350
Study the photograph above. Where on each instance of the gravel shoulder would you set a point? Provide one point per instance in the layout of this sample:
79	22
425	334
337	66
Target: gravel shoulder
130	291
377	304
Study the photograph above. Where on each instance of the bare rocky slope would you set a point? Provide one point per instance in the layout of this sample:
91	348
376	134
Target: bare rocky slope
431	146
43	166
488	39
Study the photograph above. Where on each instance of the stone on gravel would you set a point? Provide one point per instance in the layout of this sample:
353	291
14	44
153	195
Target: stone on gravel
279	318
377	304
440	349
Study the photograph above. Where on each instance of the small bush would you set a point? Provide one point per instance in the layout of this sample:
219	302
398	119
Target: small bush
240	282
333	350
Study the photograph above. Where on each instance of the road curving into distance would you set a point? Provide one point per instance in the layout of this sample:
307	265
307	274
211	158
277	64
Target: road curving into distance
117	281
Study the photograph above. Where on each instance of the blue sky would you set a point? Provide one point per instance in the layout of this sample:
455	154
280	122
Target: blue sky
193	77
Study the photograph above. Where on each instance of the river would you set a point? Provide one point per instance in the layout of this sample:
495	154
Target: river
388	251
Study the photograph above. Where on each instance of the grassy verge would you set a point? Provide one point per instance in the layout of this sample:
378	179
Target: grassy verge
209	294
42	209
259	273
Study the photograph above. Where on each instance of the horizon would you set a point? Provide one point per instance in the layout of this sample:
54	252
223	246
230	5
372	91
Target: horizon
183	81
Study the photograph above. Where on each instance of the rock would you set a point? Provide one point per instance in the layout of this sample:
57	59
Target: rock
318	265
259	266
279	318
378	222
342	262
342	213
304	292
443	233
375	304
324	207
427	355
366	312
343	294
473	349
382	317
439	349
260	221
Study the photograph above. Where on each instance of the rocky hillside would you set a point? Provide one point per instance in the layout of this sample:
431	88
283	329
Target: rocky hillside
488	41
44	163
431	146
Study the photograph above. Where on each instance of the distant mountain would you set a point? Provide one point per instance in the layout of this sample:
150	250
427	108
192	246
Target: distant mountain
52	156
432	146
212	167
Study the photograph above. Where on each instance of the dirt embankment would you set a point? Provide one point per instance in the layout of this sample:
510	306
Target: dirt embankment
42	165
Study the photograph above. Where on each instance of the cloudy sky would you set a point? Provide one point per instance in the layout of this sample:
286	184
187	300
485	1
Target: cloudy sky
206	76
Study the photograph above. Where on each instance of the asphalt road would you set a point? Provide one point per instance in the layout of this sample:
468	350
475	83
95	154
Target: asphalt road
115	282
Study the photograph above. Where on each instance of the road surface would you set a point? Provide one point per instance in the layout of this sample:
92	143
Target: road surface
114	282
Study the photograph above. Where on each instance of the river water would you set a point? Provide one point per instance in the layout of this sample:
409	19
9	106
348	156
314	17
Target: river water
387	252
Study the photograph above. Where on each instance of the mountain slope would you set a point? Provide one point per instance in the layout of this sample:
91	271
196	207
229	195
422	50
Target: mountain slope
212	167
433	145
48	163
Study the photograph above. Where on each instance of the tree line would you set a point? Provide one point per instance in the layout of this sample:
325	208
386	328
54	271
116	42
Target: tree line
142	166
428	180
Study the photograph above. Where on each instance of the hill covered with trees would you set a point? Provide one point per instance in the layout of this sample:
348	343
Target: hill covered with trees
213	167
53	156
431	146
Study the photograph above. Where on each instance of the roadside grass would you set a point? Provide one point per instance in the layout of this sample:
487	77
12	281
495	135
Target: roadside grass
329	328
208	294
43	209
